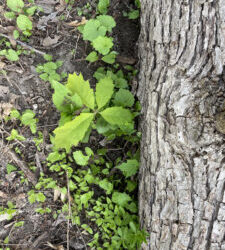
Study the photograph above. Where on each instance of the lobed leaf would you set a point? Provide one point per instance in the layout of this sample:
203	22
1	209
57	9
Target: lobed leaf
103	44
72	132
77	85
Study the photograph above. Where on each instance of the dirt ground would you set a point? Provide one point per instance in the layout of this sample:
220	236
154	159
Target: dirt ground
22	88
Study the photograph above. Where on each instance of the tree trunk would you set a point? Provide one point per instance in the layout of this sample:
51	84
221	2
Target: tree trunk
182	91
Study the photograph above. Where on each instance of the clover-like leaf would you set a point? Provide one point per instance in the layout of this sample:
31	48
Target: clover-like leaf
72	132
104	91
92	57
117	115
103	44
77	84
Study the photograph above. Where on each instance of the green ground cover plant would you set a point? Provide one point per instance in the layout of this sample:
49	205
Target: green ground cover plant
100	191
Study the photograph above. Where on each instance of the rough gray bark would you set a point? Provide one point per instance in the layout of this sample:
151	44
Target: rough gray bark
182	89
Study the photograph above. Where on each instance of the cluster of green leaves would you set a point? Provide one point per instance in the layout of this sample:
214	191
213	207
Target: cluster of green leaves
22	14
48	70
27	118
82	110
108	200
10	53
133	13
10	210
95	31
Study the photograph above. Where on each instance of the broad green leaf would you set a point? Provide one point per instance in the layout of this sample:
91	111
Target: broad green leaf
77	84
24	23
103	6
124	98
121	199
117	115
107	21
104	91
27	117
129	168
103	44
80	158
30	11
15	5
106	185
134	14
72	132
16	34
93	29
10	15
12	55
110	58
92	57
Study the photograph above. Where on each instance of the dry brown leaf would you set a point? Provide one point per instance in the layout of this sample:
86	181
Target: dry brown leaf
48	41
5	109
76	23
57	193
2	65
3	195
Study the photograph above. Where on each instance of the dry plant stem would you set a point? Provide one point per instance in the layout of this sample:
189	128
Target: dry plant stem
23	44
69	216
22	165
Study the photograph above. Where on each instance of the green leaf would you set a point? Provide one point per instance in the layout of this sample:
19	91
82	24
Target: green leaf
103	6
110	58
117	115
124	98
92	57
62	99
77	84
134	14
49	67
16	34
27	117
12	55
9	15
103	44
106	185
72	132
15	5
30	11
107	21
47	57
121	199
80	158
129	168
104	91
24	23
92	30
10	168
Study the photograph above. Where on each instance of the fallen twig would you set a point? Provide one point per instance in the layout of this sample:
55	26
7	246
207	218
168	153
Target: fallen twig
23	44
22	165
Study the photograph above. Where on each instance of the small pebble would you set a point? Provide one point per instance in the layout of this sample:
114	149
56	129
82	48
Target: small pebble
35	107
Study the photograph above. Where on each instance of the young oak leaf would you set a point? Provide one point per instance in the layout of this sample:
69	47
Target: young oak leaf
104	91
77	84
72	132
117	115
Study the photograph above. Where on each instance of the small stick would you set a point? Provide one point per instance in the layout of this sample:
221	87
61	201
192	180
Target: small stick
23	44
22	165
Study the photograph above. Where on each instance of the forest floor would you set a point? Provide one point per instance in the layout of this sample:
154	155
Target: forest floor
21	88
